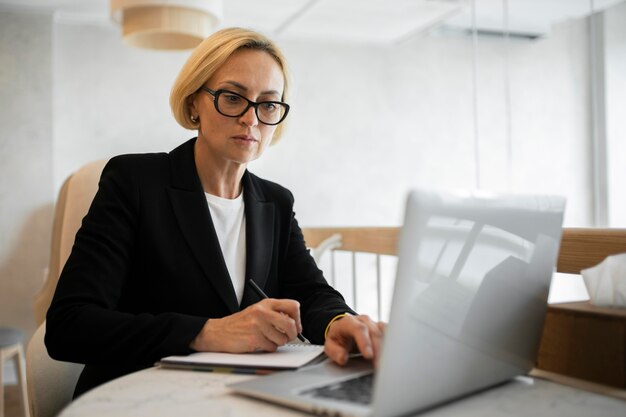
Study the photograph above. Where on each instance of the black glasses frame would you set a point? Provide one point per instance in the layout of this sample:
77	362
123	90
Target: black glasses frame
217	93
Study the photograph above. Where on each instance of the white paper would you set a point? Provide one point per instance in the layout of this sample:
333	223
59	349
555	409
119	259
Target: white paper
289	356
606	282
567	288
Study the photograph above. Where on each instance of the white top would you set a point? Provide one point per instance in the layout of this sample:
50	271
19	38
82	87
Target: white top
230	224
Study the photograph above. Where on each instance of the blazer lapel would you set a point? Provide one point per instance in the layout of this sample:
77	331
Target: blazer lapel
194	219
259	236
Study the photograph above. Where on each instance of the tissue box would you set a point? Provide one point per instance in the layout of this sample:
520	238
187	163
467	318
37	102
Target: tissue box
584	341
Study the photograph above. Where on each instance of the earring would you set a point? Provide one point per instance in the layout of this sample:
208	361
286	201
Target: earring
194	119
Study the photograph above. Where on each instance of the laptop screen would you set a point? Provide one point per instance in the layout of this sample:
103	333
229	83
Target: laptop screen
470	294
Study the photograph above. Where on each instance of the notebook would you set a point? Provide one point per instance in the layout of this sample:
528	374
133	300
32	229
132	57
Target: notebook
467	312
290	356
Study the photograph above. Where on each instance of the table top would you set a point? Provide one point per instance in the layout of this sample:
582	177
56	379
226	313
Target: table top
158	392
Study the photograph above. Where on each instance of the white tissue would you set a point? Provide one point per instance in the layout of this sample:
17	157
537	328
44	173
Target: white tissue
606	282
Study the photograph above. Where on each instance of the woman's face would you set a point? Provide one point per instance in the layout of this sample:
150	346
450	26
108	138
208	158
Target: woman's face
255	75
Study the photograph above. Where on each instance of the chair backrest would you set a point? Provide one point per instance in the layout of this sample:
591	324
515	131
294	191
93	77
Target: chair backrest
72	204
51	383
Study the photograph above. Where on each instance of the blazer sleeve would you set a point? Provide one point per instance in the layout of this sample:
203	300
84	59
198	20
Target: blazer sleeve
83	324
305	282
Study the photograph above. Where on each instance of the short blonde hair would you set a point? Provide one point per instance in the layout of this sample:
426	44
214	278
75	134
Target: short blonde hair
207	58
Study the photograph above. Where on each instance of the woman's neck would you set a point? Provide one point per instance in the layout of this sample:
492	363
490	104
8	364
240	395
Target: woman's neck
218	177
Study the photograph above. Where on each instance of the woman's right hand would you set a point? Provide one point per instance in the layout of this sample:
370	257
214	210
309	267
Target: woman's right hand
263	326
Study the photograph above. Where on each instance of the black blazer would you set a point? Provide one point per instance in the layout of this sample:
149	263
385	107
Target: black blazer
146	270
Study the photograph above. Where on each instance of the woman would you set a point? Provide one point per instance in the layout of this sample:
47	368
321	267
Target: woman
161	263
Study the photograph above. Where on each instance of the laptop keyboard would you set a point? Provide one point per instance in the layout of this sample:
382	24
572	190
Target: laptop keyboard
355	390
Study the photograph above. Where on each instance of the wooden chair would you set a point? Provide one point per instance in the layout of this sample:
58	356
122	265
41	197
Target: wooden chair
579	339
51	383
72	204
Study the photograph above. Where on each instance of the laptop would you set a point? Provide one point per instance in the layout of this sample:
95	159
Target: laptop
467	313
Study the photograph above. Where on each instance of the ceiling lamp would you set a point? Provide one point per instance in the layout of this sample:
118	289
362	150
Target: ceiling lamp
166	24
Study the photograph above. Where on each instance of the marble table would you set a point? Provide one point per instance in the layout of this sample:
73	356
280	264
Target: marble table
158	392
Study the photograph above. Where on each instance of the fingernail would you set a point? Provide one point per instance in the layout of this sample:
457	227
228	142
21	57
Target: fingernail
368	351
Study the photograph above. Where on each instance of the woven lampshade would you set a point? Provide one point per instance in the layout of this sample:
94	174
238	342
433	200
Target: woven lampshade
162	24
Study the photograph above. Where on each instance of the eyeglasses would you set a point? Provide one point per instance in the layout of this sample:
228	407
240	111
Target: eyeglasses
231	104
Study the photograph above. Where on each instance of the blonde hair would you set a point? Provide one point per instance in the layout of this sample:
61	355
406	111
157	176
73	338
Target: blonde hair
207	58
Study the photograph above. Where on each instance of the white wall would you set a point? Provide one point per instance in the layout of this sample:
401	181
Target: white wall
109	98
367	122
407	121
615	67
26	188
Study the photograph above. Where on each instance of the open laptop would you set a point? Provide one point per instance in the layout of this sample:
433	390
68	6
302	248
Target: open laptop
467	313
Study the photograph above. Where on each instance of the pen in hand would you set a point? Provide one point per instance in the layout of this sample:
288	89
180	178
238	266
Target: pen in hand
262	295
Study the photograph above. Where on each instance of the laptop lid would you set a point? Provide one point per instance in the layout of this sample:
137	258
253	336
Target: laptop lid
468	305
470	295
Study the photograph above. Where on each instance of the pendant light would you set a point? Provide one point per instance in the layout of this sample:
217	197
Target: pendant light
166	24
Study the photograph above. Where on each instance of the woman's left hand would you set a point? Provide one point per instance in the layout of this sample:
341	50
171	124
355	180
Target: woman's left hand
350	332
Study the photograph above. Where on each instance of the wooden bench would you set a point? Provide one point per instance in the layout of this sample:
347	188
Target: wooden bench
579	339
